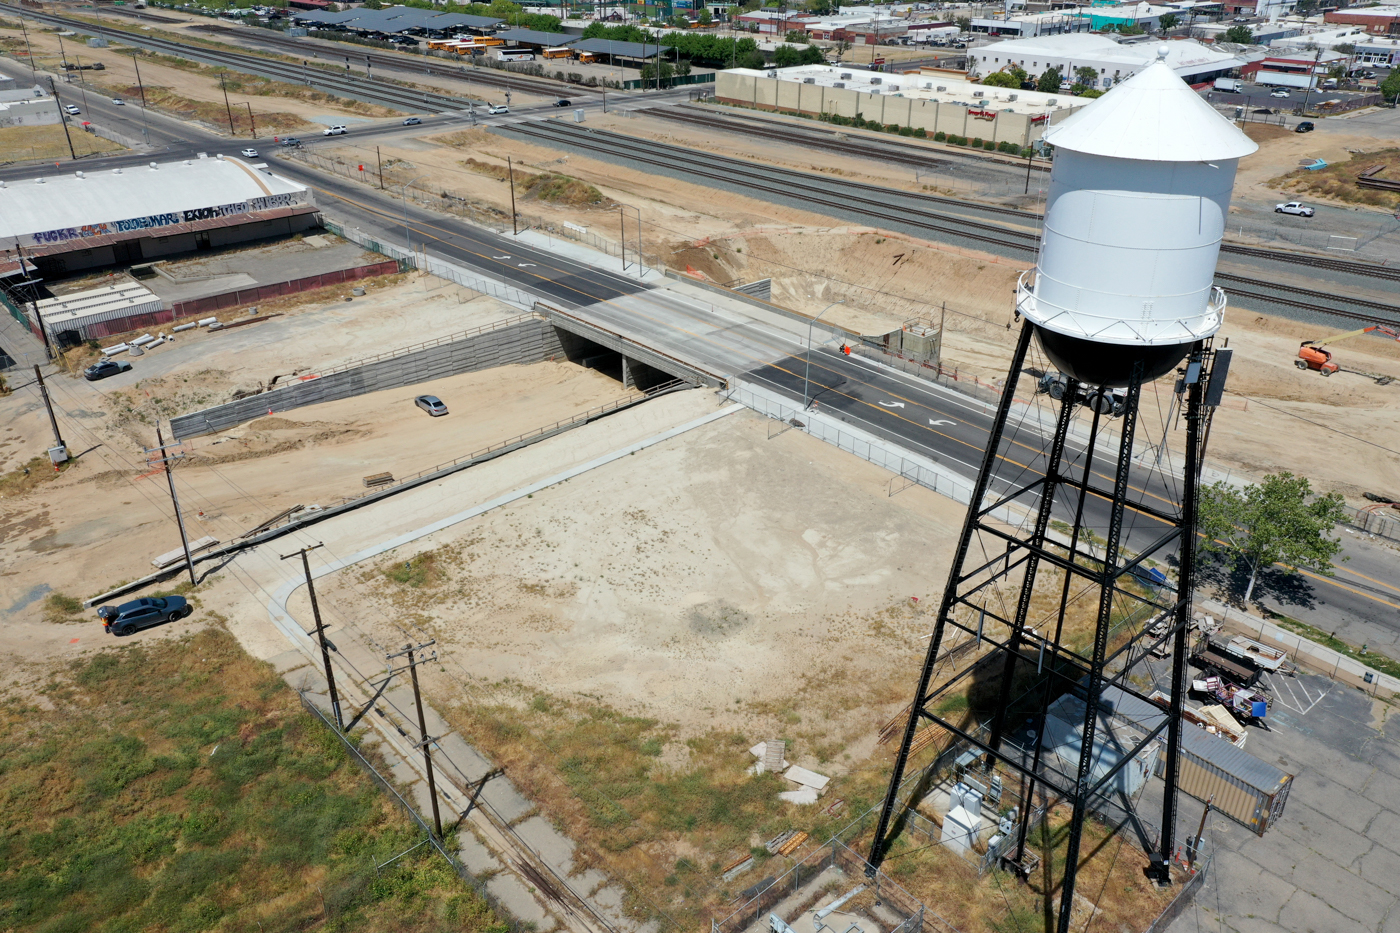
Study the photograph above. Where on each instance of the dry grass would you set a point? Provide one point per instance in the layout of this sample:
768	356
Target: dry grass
180	786
1337	182
48	143
167	100
28	477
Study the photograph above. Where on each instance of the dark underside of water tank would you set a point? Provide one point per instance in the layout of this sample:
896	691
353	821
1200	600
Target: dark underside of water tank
1108	364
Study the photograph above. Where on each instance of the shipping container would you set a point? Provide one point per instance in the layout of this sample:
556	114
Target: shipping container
1249	791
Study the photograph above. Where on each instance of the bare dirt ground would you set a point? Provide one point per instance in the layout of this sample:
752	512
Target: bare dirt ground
1261	176
679	583
167	86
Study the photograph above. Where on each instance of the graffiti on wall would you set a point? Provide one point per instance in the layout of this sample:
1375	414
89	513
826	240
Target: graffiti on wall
151	221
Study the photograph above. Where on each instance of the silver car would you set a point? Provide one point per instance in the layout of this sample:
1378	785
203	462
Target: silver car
431	404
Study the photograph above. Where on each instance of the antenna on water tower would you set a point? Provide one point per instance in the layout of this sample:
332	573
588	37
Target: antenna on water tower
1122	294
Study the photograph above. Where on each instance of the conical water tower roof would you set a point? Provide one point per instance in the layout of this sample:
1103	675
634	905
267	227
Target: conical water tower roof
1153	116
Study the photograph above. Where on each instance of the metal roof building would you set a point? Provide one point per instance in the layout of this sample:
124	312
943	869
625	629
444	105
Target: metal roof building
78	311
533	37
87	219
617	49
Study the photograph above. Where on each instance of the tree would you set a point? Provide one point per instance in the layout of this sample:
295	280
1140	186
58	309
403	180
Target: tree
1001	79
1167	21
682	67
798	37
1276	521
1049	81
964	23
753	60
1240	35
1086	76
704	18
680	21
1390	87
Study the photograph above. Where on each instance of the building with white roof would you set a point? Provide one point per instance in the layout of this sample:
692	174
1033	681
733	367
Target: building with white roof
1114	61
1377	20
1370	50
79	220
933	102
1030	25
25	105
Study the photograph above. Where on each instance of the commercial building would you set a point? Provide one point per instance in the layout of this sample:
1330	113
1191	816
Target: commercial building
773	22
25	105
1145	16
1030	25
1295	69
931	102
1369	49
1377	20
1114	61
83	220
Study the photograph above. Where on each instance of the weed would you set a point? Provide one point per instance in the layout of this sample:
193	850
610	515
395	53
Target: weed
61	608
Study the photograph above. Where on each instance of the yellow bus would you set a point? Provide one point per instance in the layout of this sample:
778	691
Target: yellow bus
586	57
560	52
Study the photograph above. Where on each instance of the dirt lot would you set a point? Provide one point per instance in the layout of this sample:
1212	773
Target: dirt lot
1266	173
189	90
48	143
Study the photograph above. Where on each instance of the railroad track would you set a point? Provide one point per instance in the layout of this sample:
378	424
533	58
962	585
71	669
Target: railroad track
876	205
368	90
920	210
419	63
918	156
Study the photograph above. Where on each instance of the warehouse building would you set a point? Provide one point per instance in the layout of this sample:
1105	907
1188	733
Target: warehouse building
1114	61
25	105
84	220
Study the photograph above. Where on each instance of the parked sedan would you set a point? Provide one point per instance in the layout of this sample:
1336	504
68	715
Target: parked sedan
431	404
105	368
1294	207
143	613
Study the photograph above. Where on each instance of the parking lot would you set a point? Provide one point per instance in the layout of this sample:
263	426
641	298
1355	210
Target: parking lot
1332	862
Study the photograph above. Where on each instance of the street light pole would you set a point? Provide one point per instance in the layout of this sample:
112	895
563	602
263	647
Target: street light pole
407	233
807	376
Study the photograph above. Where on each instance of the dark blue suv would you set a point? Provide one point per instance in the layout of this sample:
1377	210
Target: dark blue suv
143	613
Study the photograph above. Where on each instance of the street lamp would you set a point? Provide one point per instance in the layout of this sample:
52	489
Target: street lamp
806	378
407	233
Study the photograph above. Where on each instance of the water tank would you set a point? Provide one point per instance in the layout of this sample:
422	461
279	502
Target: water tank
1137	204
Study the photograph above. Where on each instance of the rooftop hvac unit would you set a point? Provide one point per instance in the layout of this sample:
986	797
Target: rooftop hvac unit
1051	102
893	88
942	87
877	80
978	93
839	84
1012	96
928	85
772	72
845	76
809	80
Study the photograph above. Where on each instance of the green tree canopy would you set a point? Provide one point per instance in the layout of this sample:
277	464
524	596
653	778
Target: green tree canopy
964	23
1001	79
1240	35
1390	87
1167	21
1049	81
1086	75
1276	521
704	18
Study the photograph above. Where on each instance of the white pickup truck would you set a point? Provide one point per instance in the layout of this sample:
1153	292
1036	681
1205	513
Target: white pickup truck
1294	207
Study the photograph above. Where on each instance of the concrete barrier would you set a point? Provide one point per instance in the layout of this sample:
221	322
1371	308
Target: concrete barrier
528	339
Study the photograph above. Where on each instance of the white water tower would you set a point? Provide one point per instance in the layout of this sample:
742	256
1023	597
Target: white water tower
1133	221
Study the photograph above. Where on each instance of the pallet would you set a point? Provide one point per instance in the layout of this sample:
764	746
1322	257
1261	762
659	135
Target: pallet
378	479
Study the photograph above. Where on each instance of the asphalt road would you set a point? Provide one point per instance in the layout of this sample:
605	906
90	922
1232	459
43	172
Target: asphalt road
854	388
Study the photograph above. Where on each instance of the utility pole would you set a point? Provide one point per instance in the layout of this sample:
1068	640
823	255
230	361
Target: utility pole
164	461
63	56
251	123
510	167
44	391
33	70
427	741
622	221
320	632
144	128
380	160
227	108
64	117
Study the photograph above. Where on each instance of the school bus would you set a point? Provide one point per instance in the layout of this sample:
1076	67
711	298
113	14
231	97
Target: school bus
585	57
560	52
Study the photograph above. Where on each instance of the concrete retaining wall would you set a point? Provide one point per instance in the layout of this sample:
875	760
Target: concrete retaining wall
773	94
518	340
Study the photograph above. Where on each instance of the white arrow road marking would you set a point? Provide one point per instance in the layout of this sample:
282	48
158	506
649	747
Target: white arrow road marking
500	257
892	404
931	421
522	265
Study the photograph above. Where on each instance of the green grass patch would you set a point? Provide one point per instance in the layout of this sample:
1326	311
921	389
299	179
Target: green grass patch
1380	662
561	189
60	607
180	787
